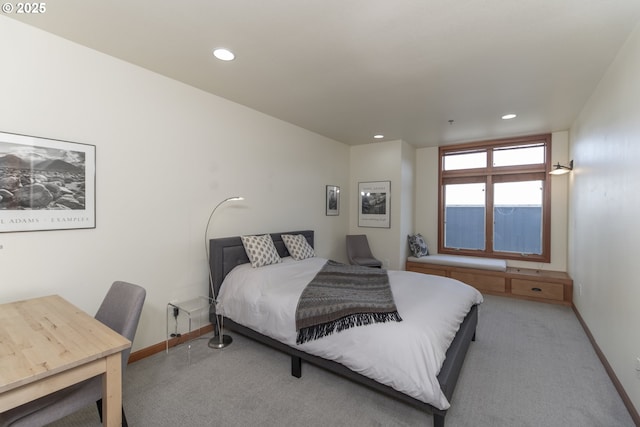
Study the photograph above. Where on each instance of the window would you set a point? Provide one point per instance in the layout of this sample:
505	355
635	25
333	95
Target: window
495	199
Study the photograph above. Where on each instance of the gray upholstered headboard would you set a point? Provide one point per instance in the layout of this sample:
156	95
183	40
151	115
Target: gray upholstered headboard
228	252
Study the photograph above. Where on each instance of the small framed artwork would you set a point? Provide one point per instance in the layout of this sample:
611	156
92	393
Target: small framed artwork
374	204
333	200
46	184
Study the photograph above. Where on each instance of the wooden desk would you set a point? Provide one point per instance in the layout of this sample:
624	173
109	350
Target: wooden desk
47	344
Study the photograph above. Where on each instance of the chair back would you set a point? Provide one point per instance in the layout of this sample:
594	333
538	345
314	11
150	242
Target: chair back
358	247
120	310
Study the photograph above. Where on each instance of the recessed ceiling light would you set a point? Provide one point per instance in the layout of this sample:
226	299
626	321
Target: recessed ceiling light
223	54
509	116
378	136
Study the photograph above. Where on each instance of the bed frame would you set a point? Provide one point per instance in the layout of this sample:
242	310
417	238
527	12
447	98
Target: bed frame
226	253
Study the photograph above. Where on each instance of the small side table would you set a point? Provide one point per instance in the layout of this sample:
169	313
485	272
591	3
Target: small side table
194	309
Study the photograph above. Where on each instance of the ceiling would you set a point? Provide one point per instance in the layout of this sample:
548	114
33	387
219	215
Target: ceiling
350	69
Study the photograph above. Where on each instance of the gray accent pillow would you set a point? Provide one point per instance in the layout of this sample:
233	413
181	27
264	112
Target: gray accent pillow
260	250
298	246
418	246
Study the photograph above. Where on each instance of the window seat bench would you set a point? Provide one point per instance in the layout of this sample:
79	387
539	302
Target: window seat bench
493	277
462	261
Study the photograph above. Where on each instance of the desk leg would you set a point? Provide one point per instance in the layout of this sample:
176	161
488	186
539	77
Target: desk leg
112	392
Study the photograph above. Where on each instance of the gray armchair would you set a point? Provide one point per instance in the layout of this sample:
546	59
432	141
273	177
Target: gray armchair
120	310
359	252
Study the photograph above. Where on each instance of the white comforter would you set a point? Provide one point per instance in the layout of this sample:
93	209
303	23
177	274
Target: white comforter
405	355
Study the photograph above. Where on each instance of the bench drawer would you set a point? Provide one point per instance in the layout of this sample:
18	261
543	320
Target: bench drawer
533	288
426	269
480	281
434	271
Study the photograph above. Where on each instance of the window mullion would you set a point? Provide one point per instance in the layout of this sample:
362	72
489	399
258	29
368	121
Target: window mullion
489	203
489	214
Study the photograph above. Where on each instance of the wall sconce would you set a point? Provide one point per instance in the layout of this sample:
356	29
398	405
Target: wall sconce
559	169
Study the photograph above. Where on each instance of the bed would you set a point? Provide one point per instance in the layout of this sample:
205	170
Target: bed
228	253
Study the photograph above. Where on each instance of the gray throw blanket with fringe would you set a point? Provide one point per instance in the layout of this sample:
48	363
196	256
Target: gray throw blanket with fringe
342	296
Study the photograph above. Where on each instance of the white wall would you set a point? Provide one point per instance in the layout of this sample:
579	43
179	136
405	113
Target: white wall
426	197
426	200
167	153
407	207
605	212
385	161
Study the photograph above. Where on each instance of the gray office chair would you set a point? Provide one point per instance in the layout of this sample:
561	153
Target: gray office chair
359	252
120	310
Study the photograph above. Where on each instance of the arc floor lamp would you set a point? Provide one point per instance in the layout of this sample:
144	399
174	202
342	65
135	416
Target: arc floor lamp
221	340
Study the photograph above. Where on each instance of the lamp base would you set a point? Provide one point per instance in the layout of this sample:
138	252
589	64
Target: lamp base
215	341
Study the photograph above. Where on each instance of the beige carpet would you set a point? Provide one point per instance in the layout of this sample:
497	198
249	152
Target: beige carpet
531	365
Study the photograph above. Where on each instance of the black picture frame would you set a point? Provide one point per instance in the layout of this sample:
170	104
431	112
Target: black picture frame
46	184
374	204
332	206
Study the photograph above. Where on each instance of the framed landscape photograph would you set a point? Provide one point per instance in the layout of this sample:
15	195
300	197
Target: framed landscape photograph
374	204
333	200
46	184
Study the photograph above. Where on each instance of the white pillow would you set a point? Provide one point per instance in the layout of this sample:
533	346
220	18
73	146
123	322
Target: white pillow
298	246
260	250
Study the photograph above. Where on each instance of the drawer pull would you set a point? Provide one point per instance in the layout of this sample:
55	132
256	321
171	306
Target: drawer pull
536	289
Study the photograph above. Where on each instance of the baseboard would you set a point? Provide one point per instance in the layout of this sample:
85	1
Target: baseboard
162	346
616	383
